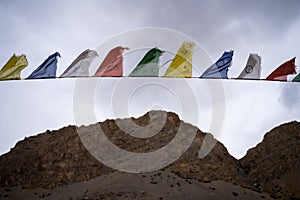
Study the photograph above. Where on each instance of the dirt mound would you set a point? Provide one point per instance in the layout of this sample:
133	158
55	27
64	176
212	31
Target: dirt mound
158	185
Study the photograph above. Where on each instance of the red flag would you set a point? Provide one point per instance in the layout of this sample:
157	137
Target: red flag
112	65
283	71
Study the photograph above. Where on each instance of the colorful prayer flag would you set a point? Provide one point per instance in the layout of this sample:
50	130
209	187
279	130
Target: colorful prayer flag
148	66
112	65
47	69
283	71
12	69
181	66
296	78
220	68
80	66
253	68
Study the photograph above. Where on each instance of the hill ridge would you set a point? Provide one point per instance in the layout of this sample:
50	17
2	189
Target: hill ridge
58	157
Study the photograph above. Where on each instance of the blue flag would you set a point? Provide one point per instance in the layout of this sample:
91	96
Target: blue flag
47	69
220	68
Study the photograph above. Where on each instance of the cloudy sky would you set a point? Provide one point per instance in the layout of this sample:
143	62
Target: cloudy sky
39	28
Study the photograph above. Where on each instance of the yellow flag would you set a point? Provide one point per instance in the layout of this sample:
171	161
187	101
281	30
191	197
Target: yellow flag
181	66
13	67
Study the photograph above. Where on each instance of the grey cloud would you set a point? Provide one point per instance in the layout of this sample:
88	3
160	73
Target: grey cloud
264	27
72	26
214	18
290	98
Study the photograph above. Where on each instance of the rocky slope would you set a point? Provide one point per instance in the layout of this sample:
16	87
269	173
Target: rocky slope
158	185
57	158
274	164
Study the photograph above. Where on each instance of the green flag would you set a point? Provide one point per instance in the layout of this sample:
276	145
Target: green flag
148	66
297	78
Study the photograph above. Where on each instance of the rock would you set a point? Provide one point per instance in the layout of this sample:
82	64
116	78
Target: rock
274	164
50	161
58	157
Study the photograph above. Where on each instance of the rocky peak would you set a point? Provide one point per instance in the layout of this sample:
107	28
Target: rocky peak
59	157
274	164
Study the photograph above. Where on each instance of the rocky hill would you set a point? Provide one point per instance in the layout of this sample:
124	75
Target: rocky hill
274	164
57	158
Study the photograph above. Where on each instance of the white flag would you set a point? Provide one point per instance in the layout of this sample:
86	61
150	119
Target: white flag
80	66
253	68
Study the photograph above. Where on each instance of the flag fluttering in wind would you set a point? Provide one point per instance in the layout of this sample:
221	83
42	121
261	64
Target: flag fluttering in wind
112	64
181	66
253	68
80	66
47	69
220	68
297	78
12	69
148	66
283	71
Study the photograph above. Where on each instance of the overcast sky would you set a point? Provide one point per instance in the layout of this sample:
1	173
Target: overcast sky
39	28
